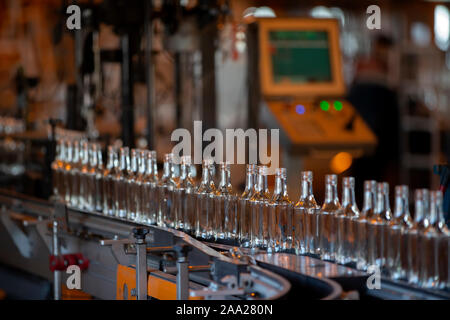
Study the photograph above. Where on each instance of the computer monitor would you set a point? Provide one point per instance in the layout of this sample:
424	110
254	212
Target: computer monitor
300	57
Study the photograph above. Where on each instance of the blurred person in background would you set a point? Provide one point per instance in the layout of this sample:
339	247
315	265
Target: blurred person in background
377	104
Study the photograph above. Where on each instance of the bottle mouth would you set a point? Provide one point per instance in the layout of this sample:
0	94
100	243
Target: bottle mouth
186	160
348	182
307	175
331	179
281	172
263	170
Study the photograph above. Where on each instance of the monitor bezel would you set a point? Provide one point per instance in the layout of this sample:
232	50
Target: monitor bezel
311	90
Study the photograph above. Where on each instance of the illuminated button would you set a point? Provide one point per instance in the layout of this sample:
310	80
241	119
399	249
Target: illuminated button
324	105
337	105
300	109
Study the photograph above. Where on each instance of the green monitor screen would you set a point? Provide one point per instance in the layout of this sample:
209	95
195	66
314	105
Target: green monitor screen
300	56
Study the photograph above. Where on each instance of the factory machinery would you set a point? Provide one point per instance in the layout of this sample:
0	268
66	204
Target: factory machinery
121	259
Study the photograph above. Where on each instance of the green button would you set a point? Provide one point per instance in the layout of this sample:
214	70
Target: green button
324	105
338	105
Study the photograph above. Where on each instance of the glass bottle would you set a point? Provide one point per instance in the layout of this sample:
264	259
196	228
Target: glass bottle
375	229
147	179
62	171
84	172
54	168
224	206
361	224
395	229
120	183
280	215
172	185
90	178
244	214
327	219
414	234
107	181
67	174
387	216
428	249
75	175
57	167
138	186
346	223
205	202
259	210
186	197
443	239
98	199
132	167
153	185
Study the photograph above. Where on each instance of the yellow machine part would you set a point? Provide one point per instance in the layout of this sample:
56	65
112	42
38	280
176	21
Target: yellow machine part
161	286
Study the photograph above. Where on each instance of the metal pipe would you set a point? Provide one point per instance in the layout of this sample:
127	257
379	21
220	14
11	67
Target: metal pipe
56	273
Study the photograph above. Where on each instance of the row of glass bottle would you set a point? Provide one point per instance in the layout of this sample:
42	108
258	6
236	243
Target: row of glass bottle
129	187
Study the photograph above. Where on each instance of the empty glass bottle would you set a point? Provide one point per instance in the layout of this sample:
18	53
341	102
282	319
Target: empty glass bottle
244	214
146	192
151	187
396	260
205	202
172	184
280	215
375	229
259	235
162	189
138	186
132	167
443	239
224	206
361	224
83	175
413	236
57	168
75	175
120	184
327	219
89	178
346	223
107	181
428	247
67	174
186	197
99	180
387	216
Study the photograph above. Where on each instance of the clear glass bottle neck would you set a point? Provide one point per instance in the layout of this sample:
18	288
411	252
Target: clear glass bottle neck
331	193
133	163
111	157
261	185
418	210
401	209
249	181
149	166
166	169
99	157
369	200
225	178
205	175
93	161
141	163
123	160
348	196
155	168
280	186
76	154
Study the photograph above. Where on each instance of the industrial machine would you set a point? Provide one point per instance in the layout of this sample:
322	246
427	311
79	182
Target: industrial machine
298	84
